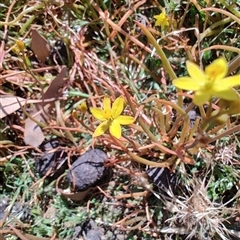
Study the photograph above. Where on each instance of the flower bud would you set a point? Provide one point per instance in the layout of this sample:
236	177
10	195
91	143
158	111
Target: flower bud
221	119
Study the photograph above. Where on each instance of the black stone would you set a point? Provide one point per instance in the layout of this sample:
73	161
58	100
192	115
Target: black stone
52	161
89	230
88	170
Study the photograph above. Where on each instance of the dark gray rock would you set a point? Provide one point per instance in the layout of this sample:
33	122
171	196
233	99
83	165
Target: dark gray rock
51	162
18	210
3	205
87	170
89	230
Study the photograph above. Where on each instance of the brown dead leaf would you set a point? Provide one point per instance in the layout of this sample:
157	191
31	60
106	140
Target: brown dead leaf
40	46
56	84
33	134
2	54
10	104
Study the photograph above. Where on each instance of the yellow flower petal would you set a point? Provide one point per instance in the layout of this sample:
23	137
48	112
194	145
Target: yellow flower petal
20	45
83	107
98	113
209	83
228	94
220	119
101	129
106	103
124	120
117	107
115	129
201	97
161	20
234	107
224	83
111	117
195	72
217	69
187	83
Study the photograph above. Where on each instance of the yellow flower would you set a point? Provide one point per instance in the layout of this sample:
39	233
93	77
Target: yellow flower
234	107
220	119
210	83
161	20
111	117
20	45
83	107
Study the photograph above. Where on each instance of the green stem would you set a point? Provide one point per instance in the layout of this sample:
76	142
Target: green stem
145	127
165	102
161	120
208	121
232	16
25	25
74	93
22	14
165	62
159	50
209	110
172	132
230	8
138	158
226	133
210	31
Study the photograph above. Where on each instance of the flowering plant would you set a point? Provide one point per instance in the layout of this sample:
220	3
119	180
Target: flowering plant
111	117
161	20
212	82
